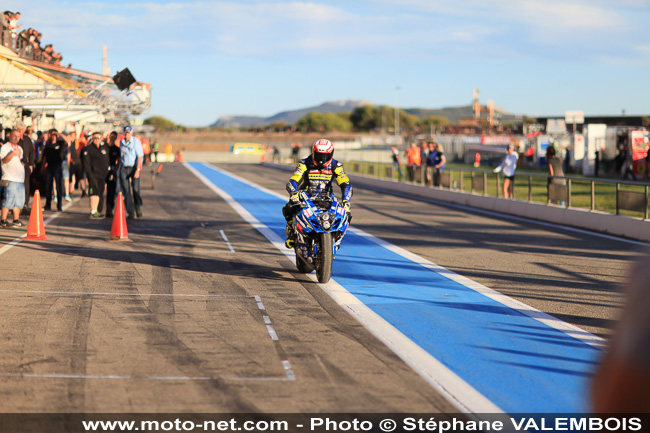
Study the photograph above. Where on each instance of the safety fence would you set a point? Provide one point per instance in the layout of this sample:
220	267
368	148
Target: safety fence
614	196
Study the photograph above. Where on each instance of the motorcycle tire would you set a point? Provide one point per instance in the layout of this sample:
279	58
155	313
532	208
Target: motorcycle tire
303	267
325	257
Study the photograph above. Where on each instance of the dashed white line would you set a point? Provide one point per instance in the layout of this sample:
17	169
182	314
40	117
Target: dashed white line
223	235
259	303
272	333
288	370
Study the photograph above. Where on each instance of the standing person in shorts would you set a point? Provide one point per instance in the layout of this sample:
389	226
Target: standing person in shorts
13	179
509	165
96	163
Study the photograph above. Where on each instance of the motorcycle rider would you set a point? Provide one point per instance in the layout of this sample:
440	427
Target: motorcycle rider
314	175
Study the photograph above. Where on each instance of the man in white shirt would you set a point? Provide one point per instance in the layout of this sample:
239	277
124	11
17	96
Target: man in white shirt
509	165
13	175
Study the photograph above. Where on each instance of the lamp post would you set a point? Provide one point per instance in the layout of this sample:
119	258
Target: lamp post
396	113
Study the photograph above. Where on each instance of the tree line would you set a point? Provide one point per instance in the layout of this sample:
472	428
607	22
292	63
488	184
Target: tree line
366	118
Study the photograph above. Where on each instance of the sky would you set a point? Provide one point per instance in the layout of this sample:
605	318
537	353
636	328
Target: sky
206	59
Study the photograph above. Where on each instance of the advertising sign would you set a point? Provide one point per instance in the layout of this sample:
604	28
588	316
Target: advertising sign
639	143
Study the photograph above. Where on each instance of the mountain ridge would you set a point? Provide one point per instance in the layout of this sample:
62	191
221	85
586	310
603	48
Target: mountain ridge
453	114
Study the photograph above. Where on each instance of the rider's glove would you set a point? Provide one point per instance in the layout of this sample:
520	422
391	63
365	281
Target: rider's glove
346	205
295	198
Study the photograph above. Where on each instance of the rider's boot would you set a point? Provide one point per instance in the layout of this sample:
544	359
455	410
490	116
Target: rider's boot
290	236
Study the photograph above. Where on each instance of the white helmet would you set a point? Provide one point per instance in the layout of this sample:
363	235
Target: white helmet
322	152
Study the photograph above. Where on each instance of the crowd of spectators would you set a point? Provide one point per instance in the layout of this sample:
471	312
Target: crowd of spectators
26	43
58	164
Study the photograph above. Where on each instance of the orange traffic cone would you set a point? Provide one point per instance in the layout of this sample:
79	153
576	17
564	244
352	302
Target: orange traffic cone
119	231
36	227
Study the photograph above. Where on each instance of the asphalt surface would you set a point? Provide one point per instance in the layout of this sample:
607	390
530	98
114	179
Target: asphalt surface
175	321
170	322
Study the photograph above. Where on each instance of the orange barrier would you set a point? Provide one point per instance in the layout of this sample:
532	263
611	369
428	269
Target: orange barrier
118	230
36	227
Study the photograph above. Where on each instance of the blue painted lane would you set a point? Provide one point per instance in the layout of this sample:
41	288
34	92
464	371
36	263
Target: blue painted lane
519	363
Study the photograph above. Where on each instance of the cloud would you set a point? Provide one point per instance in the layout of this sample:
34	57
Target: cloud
366	29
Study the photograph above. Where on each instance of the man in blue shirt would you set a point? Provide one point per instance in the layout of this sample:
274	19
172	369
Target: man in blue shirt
131	155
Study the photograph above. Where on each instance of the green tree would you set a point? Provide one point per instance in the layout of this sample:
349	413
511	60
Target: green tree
364	118
161	123
408	122
327	122
435	121
278	126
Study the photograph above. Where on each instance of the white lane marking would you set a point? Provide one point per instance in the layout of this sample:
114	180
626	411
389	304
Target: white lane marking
259	303
507	216
288	370
272	333
12	243
46	222
223	234
173	295
529	311
447	383
121	377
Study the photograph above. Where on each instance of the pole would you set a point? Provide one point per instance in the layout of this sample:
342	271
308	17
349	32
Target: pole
396	113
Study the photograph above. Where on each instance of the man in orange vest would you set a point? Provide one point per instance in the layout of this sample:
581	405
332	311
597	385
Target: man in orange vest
414	159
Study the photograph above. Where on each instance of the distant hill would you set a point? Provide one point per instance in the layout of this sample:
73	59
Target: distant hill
289	117
452	113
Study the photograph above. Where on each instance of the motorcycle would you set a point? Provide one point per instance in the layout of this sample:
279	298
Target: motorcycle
319	228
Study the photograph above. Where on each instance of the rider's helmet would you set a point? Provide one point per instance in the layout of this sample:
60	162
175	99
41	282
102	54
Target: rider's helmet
322	152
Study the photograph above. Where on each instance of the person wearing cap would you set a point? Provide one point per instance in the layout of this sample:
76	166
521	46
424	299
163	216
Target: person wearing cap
131	156
96	163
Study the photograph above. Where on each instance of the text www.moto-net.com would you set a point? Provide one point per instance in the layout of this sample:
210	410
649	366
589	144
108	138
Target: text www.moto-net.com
178	425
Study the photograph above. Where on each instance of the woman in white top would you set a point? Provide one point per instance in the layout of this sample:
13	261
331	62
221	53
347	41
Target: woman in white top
509	166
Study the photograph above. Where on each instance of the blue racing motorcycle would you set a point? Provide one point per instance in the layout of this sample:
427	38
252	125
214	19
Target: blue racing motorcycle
319	227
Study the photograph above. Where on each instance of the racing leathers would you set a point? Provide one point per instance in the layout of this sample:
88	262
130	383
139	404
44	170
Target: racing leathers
308	177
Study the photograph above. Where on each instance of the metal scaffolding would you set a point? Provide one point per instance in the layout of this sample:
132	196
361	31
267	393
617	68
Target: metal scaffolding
43	91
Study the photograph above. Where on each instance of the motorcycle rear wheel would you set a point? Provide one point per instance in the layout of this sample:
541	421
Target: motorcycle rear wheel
303	267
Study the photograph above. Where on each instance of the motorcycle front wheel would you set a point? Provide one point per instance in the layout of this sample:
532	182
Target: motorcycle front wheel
325	256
